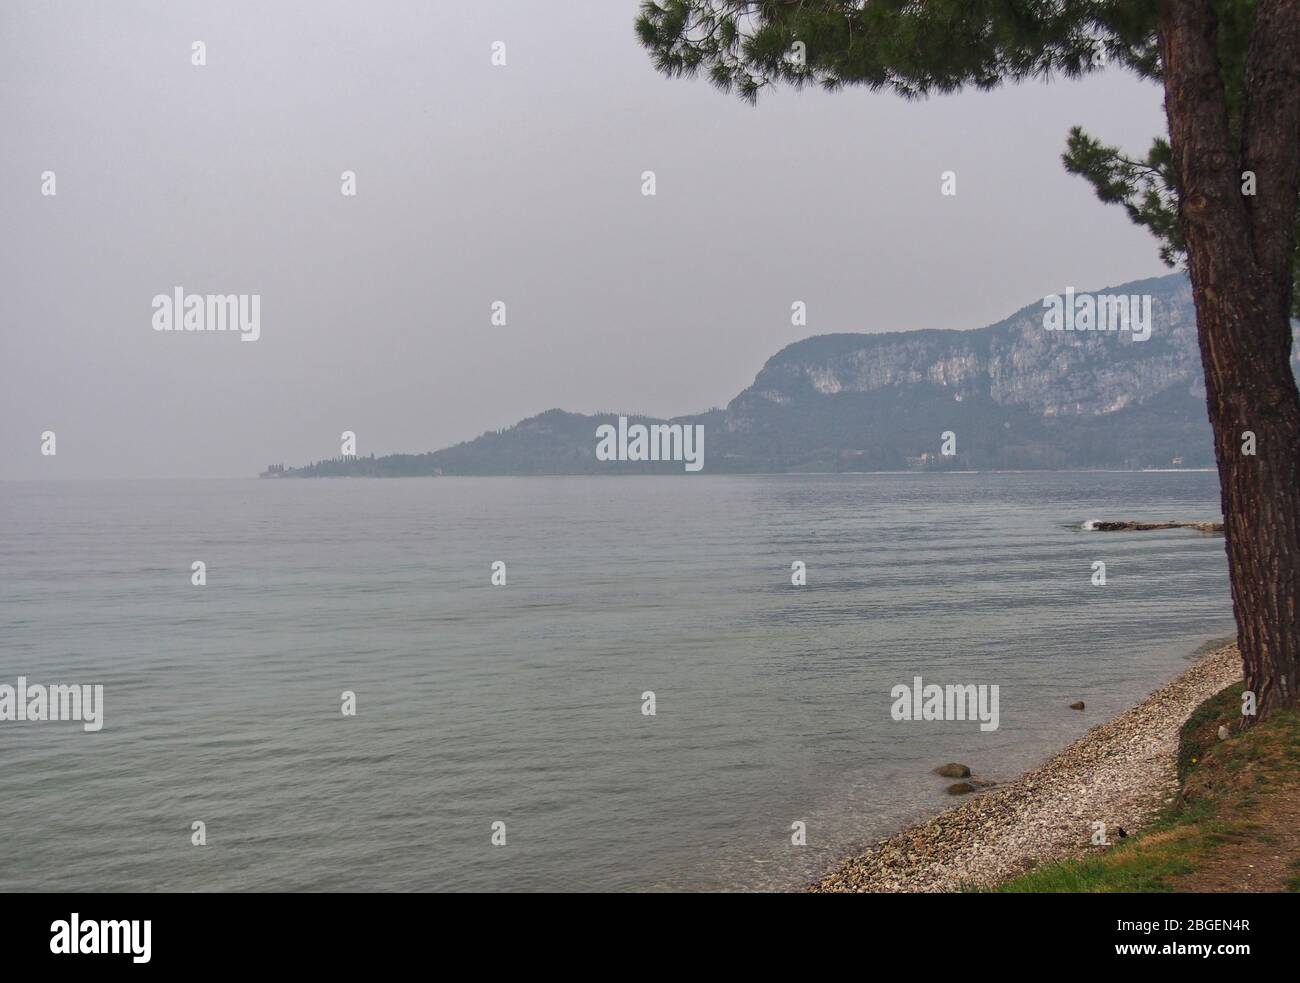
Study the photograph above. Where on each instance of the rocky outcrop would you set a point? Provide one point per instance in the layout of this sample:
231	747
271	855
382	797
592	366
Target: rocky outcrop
1014	395
1095	525
1015	362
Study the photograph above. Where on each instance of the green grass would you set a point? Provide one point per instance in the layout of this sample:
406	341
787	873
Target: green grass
1222	783
1293	883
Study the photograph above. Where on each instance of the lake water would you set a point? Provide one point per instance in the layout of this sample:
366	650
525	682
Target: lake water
522	704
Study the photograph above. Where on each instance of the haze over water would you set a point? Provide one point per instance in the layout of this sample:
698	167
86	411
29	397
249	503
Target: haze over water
523	703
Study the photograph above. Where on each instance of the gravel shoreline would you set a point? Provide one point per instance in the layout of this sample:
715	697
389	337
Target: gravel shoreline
1120	773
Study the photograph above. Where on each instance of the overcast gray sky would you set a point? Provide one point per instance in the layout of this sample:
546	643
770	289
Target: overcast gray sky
477	183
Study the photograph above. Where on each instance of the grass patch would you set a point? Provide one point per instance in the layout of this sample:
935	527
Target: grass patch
1293	883
1201	731
1224	785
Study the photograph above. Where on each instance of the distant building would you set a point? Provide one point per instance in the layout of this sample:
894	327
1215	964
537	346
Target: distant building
922	462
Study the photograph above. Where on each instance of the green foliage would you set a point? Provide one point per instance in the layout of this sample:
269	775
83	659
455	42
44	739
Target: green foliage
911	48
919	48
1146	188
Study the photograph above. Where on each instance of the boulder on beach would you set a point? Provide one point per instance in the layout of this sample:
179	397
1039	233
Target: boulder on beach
952	770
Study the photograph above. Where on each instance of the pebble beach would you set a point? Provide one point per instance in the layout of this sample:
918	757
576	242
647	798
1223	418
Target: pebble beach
1121	772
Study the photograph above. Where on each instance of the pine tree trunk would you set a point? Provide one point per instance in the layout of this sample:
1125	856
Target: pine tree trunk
1239	255
1250	389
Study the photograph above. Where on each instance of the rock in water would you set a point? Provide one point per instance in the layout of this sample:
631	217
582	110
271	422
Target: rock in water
960	788
1101	525
953	770
1077	706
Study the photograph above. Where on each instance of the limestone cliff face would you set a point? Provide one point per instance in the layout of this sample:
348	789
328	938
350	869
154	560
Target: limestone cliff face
1015	363
1016	394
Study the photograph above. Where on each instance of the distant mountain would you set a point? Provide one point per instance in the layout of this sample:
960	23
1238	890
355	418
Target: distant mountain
1014	394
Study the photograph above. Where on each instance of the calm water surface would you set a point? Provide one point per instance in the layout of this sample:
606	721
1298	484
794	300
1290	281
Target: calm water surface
523	703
